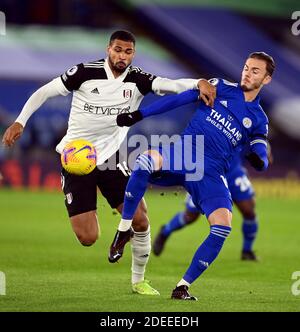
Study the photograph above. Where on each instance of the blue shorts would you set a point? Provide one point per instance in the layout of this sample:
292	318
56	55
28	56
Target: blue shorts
239	186
208	194
190	206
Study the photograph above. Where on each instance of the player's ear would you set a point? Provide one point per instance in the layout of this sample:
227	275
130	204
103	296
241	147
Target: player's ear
267	79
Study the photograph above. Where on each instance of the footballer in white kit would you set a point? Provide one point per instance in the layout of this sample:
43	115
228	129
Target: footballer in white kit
102	90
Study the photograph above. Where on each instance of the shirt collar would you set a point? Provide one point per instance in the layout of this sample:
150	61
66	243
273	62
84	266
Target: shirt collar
254	102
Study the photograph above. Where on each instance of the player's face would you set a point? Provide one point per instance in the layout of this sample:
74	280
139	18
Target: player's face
120	55
254	75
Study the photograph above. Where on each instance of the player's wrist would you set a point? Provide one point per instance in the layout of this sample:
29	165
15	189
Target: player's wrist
19	123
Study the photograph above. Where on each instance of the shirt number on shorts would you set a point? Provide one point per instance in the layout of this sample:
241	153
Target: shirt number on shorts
243	182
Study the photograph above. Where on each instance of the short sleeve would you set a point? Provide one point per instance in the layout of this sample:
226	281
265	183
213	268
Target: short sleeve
143	80
217	83
72	78
262	128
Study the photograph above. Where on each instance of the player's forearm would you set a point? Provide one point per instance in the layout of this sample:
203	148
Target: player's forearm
38	98
168	103
258	156
162	86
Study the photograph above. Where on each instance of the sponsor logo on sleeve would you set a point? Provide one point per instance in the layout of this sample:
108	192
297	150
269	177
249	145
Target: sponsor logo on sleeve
72	70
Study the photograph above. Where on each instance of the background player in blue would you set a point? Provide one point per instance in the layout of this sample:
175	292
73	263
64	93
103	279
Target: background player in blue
234	122
242	194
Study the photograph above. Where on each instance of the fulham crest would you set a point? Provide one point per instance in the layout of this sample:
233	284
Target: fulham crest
127	93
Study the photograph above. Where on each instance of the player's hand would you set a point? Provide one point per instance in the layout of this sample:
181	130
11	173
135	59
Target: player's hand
255	161
129	119
12	133
208	92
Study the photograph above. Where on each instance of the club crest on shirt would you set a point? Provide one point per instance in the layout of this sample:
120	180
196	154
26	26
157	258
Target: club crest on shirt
127	93
247	123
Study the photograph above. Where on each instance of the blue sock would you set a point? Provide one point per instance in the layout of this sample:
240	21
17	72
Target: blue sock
137	185
174	224
207	252
249	229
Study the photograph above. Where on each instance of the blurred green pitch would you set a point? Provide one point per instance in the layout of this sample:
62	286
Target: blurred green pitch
48	270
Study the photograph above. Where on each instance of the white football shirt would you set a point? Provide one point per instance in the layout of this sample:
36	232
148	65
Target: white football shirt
98	97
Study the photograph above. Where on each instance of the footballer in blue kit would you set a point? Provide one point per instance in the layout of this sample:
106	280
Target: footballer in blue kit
236	121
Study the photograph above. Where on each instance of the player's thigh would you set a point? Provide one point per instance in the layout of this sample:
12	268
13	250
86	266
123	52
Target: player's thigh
81	203
112	182
191	212
86	227
80	192
212	196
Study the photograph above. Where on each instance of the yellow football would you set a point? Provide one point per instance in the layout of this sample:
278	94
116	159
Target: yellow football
79	157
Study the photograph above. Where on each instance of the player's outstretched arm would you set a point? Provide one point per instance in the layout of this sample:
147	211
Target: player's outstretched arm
258	156
51	89
162	105
162	86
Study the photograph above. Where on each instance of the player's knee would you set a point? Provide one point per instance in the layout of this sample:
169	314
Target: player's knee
156	158
249	214
190	217
86	227
226	223
87	238
220	217
248	210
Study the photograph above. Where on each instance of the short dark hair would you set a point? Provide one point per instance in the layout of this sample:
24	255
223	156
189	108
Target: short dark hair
270	63
122	35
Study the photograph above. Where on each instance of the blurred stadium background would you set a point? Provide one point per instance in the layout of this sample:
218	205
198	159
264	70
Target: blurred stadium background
175	38
194	38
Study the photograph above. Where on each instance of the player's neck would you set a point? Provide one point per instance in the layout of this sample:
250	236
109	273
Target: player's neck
251	95
114	72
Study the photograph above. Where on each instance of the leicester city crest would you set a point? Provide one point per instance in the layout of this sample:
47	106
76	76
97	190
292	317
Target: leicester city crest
247	123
